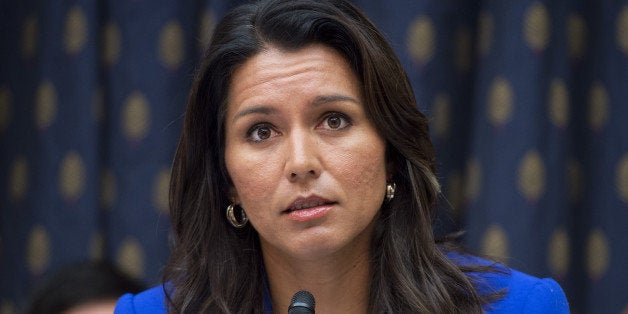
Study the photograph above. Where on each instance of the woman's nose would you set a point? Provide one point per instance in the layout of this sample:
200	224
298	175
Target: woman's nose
302	156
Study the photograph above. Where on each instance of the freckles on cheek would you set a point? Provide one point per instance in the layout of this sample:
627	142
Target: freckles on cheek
367	175
361	170
252	180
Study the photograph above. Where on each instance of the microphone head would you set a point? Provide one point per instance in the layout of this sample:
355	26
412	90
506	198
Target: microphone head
302	303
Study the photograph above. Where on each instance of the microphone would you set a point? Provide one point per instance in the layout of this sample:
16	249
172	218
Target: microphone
302	303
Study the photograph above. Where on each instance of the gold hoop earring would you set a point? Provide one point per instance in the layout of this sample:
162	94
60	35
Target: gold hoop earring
390	191
232	218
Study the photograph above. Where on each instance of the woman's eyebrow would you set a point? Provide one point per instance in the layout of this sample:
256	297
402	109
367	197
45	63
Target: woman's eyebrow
318	101
324	99
256	109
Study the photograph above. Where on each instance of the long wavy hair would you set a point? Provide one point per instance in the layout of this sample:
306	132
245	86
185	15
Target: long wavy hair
216	268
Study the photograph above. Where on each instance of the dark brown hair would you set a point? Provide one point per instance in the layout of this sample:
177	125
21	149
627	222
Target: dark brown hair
216	268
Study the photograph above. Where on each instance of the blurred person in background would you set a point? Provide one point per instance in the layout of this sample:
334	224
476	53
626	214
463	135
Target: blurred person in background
82	288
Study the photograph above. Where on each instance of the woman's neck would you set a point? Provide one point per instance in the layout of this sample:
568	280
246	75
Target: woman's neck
340	284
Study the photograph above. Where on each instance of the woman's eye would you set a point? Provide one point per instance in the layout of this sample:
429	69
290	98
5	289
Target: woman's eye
336	121
259	133
263	133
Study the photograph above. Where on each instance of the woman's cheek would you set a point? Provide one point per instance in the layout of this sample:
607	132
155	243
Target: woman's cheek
365	166
253	177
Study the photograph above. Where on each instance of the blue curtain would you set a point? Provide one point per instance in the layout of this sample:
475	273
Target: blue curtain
526	98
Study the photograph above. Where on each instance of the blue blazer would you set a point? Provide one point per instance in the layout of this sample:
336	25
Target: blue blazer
526	294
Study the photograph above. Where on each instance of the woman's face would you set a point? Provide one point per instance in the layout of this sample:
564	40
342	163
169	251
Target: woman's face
306	163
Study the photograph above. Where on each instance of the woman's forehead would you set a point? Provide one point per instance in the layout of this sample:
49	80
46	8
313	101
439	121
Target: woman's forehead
311	70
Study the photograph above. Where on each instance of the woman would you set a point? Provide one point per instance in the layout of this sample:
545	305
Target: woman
304	163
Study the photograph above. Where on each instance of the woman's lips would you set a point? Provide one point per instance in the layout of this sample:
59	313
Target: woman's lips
310	213
308	208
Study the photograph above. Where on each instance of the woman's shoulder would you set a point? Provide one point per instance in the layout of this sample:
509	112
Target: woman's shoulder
524	293
149	301
529	294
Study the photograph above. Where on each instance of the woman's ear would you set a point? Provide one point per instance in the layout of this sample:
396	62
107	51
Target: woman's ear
233	195
390	170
